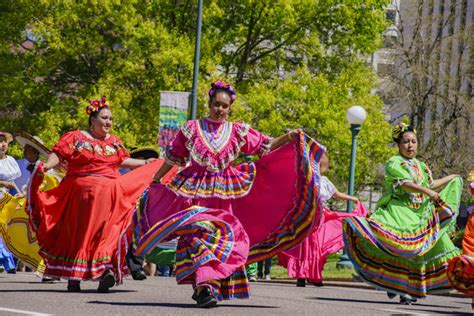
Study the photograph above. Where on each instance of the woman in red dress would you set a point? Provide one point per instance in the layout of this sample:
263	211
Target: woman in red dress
461	268
81	225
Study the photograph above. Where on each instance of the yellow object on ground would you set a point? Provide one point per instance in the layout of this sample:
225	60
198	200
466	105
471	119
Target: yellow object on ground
15	229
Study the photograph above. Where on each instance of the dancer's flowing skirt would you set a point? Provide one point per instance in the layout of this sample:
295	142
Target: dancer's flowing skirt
82	224
307	260
6	257
402	250
461	269
17	234
280	210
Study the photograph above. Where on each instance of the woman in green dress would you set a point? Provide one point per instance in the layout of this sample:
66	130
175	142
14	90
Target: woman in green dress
404	246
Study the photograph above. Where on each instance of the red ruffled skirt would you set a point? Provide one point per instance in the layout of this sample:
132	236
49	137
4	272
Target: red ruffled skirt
81	225
461	268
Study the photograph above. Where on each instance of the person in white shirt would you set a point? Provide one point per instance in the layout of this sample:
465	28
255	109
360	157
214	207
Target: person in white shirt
307	260
9	169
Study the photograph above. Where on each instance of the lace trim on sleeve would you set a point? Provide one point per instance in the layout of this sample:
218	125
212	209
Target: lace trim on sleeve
172	160
266	147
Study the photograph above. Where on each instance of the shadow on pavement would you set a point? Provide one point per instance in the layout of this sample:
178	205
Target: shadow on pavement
88	291
33	290
174	305
30	282
394	302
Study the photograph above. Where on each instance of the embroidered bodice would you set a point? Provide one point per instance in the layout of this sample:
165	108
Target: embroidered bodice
86	156
400	170
208	149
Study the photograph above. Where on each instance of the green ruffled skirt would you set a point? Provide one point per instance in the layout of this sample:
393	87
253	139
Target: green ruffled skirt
162	256
404	250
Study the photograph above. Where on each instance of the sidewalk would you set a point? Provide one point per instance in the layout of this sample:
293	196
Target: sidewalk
355	284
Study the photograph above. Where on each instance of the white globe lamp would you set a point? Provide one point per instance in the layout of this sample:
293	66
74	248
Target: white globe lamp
356	115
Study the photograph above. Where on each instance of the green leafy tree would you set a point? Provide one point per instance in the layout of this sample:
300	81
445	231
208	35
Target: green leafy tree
320	106
294	63
58	54
258	39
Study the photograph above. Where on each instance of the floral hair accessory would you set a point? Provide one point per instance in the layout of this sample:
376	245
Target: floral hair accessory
222	86
470	178
96	104
400	129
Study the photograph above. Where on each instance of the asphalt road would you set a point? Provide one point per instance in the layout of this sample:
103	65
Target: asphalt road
23	294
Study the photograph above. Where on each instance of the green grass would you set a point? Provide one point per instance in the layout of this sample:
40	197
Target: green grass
330	271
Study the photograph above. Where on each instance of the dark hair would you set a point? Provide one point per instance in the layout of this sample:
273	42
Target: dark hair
220	86
95	114
397	135
213	96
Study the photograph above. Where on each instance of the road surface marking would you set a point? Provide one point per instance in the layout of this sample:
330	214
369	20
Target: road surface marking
402	312
19	311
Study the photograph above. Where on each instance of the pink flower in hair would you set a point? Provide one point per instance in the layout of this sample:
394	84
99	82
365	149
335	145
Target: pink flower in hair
222	86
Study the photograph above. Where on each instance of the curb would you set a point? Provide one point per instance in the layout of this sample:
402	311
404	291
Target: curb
358	285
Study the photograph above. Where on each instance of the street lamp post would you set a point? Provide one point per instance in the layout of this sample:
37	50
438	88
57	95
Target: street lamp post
356	117
197	49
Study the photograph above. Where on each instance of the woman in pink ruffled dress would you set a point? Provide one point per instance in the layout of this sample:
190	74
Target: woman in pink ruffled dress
306	262
226	215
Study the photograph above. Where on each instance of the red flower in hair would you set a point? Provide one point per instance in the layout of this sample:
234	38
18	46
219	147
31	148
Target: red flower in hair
95	105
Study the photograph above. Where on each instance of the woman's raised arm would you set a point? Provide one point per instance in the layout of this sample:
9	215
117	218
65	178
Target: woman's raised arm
53	161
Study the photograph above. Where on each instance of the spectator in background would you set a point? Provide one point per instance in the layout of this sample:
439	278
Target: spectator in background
33	148
264	268
9	171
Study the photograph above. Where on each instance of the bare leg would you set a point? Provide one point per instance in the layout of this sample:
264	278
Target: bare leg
150	268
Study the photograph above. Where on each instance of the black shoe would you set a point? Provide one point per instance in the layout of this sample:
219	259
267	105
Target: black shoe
107	281
139	275
318	284
406	300
49	279
391	295
73	286
205	299
11	271
301	283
